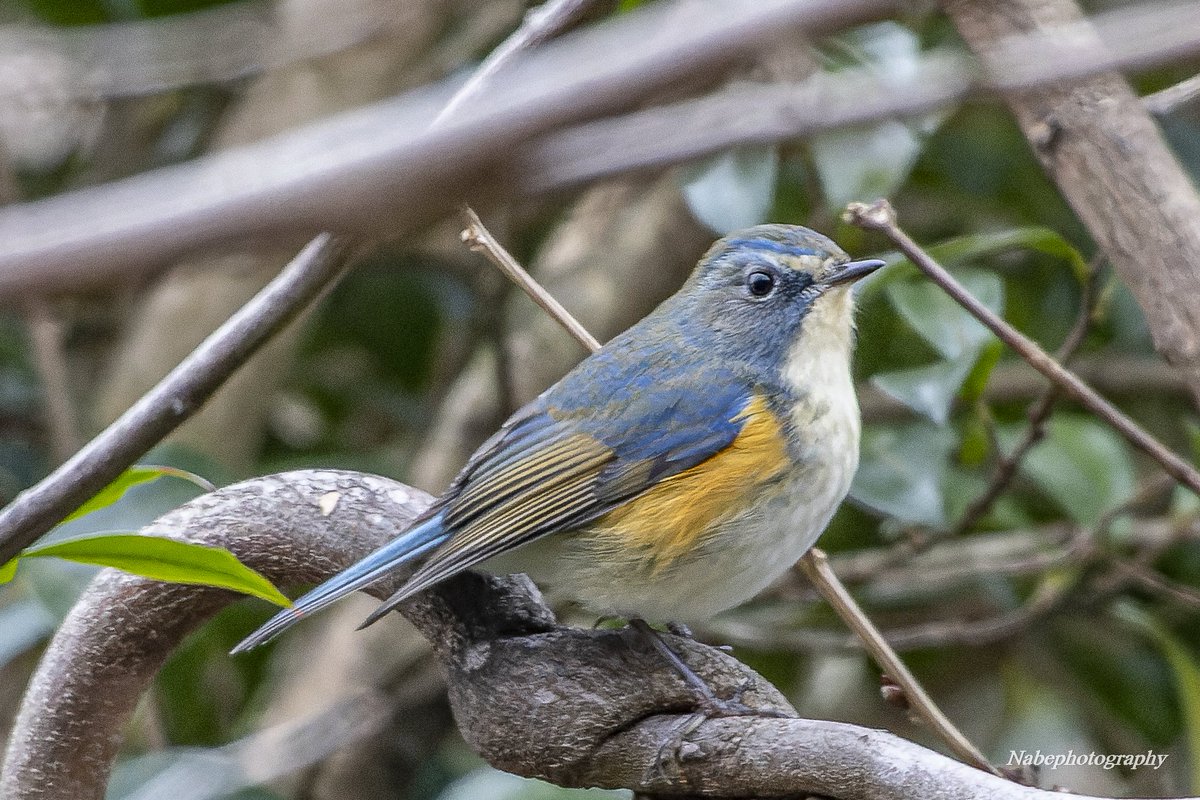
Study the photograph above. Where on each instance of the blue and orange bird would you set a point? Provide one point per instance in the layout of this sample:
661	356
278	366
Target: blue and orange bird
677	471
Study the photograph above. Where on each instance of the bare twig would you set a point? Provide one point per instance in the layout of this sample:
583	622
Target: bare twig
540	24
1154	582
480	239
1039	413
880	216
175	398
816	566
1111	374
46	345
977	632
160	54
814	563
1167	100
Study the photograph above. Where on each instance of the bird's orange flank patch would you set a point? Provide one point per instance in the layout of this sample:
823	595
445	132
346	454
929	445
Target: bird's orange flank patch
665	521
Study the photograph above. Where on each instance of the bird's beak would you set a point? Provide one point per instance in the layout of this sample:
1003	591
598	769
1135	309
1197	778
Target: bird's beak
851	271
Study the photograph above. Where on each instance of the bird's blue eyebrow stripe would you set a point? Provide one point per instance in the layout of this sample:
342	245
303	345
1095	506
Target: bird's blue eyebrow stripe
776	247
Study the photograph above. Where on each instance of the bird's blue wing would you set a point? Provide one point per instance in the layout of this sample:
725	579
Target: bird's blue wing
599	438
610	430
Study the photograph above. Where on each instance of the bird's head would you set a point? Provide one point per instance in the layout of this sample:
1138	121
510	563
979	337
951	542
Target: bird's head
772	292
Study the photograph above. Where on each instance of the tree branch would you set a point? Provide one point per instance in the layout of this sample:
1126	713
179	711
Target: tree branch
176	397
383	169
1097	142
576	707
880	216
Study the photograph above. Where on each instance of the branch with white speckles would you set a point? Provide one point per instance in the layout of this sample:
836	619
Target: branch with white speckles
576	707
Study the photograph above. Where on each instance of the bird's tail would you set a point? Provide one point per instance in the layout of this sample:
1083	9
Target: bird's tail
410	545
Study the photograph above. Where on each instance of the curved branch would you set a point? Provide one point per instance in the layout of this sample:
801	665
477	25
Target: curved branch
576	707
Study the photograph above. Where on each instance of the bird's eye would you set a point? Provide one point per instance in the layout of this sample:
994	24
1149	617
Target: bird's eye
760	283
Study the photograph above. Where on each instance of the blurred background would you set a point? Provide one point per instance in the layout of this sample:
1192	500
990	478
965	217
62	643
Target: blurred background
1054	609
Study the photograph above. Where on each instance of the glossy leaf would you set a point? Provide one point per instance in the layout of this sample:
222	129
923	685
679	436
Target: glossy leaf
963	250
133	477
940	321
869	161
1083	465
854	163
900	472
928	390
163	559
984	245
733	189
8	571
1186	672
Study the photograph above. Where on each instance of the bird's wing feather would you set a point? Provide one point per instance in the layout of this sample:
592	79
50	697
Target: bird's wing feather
554	466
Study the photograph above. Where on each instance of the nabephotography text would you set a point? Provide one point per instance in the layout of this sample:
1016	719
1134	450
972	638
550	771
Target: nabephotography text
1036	758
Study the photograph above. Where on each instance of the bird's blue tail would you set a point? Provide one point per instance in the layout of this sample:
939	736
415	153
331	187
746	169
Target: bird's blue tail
410	545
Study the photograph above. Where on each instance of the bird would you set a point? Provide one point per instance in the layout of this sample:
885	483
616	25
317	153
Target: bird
674	473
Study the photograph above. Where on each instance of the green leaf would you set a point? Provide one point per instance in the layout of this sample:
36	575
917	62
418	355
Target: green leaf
977	247
1187	683
874	160
1083	465
163	559
1186	673
984	245
939	320
928	390
976	382
901	471
8	571
130	478
734	189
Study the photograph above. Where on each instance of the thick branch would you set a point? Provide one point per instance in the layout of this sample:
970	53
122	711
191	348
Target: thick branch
384	168
175	398
1096	140
577	707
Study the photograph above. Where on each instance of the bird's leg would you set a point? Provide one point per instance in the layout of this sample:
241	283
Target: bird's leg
709	703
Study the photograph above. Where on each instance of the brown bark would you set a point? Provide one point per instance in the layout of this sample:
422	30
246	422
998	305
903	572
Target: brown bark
1099	144
575	707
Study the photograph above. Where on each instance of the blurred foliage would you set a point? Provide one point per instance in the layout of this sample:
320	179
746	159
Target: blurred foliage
1112	666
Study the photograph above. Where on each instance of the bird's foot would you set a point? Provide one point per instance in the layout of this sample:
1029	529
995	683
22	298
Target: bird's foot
708	704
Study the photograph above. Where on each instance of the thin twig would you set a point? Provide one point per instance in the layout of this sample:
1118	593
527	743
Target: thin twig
176	397
1167	100
539	25
480	239
1039	414
816	566
815	562
880	216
